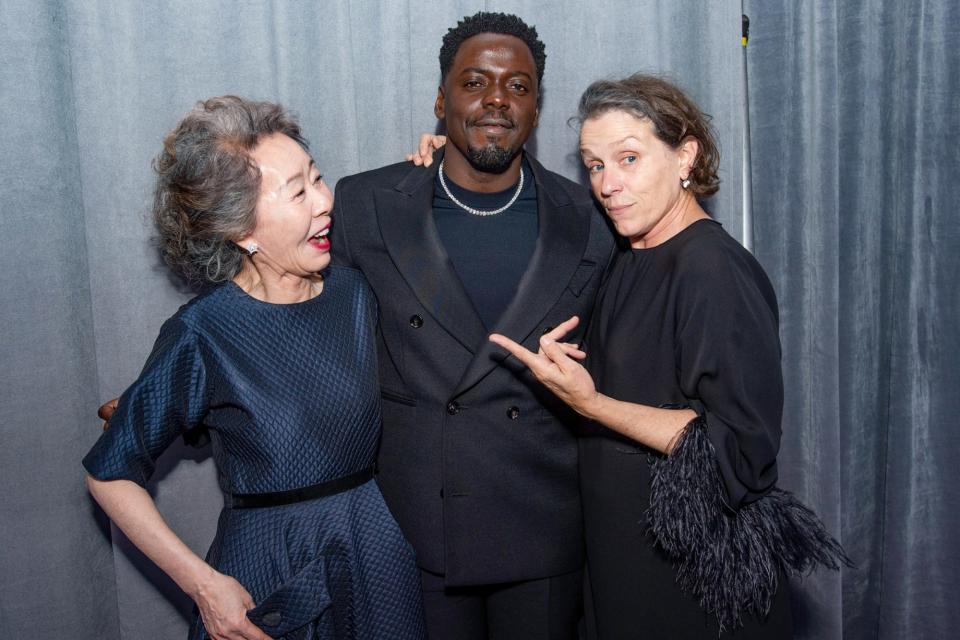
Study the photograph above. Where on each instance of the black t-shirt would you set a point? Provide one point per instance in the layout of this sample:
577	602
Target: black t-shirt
489	253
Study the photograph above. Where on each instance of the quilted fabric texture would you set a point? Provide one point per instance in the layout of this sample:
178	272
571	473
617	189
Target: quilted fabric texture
290	396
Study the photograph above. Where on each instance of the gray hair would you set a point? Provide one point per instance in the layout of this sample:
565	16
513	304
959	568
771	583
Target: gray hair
207	184
674	117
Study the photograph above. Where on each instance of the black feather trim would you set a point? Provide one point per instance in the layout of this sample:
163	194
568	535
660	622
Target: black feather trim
730	561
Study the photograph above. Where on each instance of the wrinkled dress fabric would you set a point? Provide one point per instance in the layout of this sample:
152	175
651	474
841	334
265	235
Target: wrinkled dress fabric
689	323
289	394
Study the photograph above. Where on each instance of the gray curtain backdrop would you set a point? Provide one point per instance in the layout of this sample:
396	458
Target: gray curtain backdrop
854	139
855	123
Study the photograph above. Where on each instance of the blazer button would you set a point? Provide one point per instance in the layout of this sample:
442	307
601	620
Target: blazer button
547	330
272	619
416	321
513	413
453	407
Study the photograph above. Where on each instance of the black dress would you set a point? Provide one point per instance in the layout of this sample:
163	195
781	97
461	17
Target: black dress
689	323
290	395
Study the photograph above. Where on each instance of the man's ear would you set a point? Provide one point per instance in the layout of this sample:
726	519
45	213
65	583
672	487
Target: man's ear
438	106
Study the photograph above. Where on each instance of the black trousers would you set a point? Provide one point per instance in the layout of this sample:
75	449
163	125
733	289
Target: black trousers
544	609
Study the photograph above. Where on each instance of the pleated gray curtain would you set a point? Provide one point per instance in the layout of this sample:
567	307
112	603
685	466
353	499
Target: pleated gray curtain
855	126
852	126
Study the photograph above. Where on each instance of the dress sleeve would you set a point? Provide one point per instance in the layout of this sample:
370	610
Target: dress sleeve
728	359
167	399
731	559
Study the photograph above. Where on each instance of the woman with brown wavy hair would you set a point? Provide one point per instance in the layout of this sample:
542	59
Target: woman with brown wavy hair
687	535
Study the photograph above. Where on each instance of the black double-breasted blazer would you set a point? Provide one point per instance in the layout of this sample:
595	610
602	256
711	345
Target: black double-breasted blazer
477	461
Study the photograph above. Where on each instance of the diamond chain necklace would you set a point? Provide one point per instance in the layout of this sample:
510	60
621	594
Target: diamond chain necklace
478	212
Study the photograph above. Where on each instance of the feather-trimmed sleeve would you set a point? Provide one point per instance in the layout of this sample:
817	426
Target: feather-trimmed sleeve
731	561
166	400
728	364
714	508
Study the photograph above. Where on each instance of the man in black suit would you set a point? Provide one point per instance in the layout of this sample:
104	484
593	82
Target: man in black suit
477	461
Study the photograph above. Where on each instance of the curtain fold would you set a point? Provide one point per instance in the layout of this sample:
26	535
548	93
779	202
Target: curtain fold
855	125
52	537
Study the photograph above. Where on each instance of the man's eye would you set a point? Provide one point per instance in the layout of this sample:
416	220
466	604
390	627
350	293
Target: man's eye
517	86
299	194
629	159
595	168
318	178
472	84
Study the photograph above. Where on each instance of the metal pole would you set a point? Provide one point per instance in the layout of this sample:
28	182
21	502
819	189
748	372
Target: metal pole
745	168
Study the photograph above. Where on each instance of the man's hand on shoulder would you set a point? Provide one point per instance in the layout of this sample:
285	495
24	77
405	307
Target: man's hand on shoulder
424	153
105	412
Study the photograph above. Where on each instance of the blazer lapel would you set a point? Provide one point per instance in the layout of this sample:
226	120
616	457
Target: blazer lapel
405	216
561	242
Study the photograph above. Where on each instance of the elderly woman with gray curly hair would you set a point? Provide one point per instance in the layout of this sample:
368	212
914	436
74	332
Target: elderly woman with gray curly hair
278	362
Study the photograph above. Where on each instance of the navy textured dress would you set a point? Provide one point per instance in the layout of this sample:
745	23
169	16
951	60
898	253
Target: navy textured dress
290	396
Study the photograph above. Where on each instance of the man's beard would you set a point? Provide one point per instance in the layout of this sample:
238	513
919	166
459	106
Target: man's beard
491	158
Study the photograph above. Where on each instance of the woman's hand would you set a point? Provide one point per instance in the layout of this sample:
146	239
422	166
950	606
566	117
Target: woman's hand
223	604
222	601
424	153
556	366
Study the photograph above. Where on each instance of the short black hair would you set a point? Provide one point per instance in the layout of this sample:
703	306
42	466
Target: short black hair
491	22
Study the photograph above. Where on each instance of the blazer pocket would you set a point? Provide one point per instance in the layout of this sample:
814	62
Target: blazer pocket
399	398
581	277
